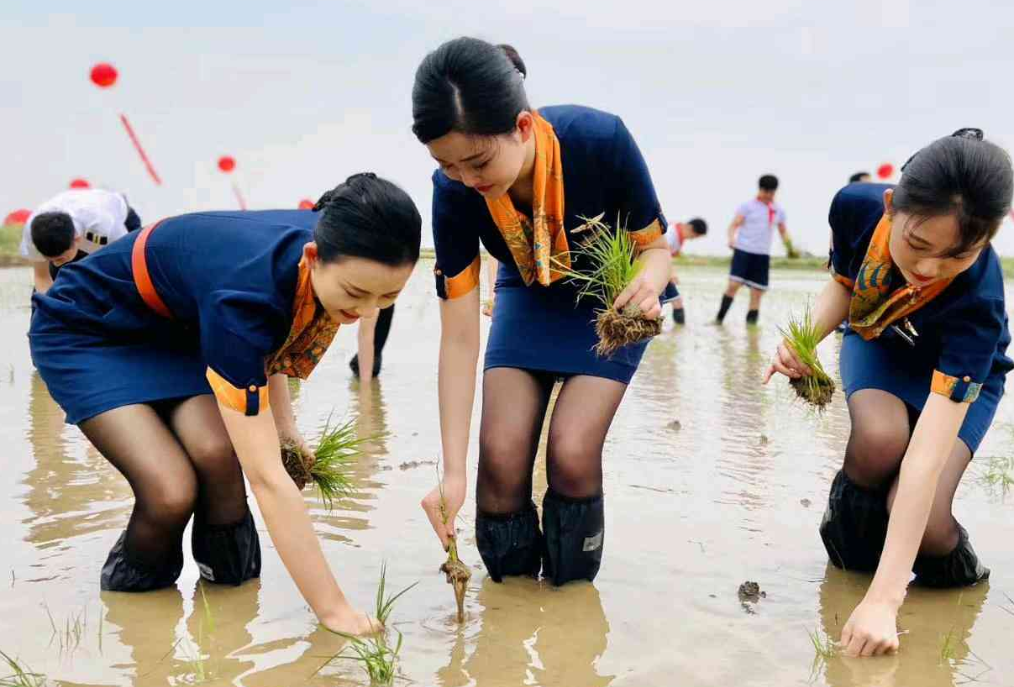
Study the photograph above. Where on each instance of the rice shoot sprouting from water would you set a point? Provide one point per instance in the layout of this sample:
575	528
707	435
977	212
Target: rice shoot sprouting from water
378	658
802	335
457	572
609	265
328	467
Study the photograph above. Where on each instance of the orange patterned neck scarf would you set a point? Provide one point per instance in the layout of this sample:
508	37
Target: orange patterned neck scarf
875	306
540	243
311	334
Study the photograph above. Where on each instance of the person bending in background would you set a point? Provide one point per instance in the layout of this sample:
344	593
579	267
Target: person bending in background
71	226
676	235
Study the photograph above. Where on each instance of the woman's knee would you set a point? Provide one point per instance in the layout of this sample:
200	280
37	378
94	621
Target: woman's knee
171	499
574	465
212	451
875	449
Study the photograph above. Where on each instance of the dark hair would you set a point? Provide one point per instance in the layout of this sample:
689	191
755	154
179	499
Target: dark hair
699	225
368	217
52	233
515	57
857	177
962	175
468	85
768	182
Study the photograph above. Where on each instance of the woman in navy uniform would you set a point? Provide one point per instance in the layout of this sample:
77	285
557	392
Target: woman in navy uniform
170	349
522	183
923	364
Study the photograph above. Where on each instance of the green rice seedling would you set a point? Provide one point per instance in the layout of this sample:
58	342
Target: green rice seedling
209	617
790	250
802	335
457	572
948	647
336	449
608	264
378	658
824	649
20	676
999	474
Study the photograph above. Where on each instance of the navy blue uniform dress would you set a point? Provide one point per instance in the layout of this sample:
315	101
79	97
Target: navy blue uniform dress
229	281
957	342
537	327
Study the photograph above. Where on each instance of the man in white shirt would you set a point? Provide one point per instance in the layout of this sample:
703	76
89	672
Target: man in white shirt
750	236
676	235
71	226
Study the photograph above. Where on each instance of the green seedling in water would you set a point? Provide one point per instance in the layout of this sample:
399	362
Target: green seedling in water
378	658
336	450
802	335
609	264
20	676
1000	474
948	646
824	649
68	636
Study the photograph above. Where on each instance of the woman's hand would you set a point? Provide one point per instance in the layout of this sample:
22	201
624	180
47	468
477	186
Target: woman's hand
349	621
641	293
786	362
292	437
872	630
453	491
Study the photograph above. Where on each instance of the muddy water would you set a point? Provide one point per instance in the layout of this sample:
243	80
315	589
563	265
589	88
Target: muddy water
732	492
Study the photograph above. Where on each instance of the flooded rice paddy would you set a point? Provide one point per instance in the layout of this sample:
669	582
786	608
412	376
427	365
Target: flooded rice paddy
710	479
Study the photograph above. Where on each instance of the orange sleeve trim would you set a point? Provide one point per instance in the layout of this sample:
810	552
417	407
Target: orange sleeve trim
844	281
647	235
958	389
463	282
250	401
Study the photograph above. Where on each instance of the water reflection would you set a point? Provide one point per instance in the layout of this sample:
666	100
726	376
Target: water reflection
532	634
934	651
67	495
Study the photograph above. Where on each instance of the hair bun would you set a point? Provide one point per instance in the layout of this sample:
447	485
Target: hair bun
323	201
969	132
360	175
512	54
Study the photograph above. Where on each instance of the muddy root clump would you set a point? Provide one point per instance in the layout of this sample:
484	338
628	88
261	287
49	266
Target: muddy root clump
618	329
296	465
458	576
816	390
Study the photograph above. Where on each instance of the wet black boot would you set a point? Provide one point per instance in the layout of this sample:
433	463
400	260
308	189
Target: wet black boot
227	554
123	574
960	568
679	316
511	544
752	316
574	530
855	525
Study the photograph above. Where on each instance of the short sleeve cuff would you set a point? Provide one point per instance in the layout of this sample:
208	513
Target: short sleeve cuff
648	235
844	281
451	287
250	400
958	389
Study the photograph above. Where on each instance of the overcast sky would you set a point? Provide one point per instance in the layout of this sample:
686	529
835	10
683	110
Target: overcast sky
304	93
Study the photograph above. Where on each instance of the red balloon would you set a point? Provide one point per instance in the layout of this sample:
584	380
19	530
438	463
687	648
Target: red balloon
306	204
104	75
885	171
226	163
80	183
17	217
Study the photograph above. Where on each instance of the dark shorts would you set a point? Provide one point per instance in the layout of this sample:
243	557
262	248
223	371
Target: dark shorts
890	365
751	269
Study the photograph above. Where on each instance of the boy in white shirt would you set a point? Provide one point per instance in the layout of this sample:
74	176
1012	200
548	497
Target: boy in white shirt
71	226
750	236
